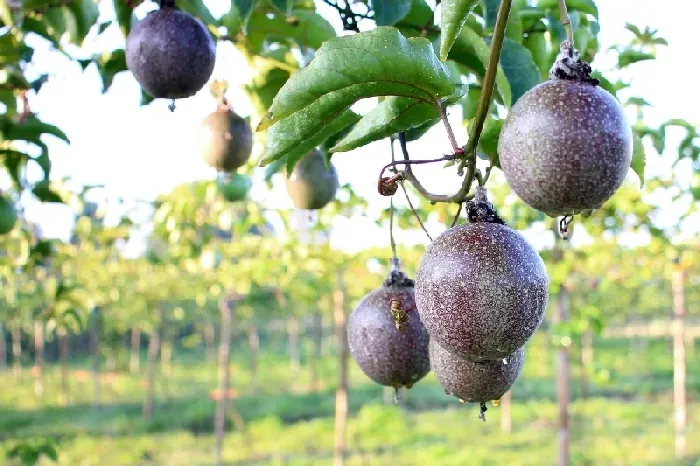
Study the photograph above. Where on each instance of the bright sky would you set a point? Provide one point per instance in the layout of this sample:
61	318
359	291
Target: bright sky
139	152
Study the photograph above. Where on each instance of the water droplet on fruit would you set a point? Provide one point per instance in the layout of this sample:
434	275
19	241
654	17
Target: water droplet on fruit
172	105
397	395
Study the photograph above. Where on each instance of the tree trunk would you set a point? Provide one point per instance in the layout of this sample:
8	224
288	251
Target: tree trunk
3	348
39	358
95	355
560	317
316	355
294	352
341	393
506	417
135	357
254	343
209	340
586	361
153	350
63	355
226	310
16	335
679	396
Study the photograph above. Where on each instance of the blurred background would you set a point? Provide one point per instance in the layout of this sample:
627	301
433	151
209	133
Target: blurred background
120	340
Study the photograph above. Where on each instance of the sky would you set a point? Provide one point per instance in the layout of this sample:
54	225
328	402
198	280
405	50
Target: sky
139	152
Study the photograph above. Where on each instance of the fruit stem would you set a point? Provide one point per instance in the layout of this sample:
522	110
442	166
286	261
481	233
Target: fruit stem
167	3
566	21
488	82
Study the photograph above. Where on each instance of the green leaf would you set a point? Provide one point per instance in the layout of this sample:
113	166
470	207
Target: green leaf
519	67
454	15
418	16
31	129
584	6
629	56
86	14
638	158
536	43
488	142
109	65
124	10
274	167
491	12
343	72
389	12
391	116
293	138
470	50
198	9
284	6
418	132
310	30
44	193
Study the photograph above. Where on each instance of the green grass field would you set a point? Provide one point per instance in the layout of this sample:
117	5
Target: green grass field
627	419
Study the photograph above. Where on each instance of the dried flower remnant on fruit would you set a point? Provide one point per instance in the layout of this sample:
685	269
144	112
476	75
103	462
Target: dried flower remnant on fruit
480	209
570	66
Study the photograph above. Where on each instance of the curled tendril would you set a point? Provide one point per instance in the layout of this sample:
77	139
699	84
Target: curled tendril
564	231
388	186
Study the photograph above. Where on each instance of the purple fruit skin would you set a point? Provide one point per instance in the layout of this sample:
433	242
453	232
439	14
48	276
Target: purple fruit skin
386	355
225	140
481	291
475	382
170	53
565	147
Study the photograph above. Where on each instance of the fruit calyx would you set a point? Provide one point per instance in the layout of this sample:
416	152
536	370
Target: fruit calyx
570	67
396	276
480	210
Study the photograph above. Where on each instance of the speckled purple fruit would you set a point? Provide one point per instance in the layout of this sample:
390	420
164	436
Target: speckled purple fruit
225	140
565	147
475	382
391	357
170	53
312	185
481	290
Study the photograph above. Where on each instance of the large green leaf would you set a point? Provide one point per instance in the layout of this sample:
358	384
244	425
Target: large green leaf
199	9
294	137
471	51
391	116
389	12
487	148
379	62
638	158
519	67
630	56
284	6
124	12
86	14
491	13
309	30
454	15
109	65
31	129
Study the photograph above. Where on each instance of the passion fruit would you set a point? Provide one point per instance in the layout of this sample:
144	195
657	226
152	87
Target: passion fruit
8	215
225	139
566	145
481	288
170	53
312	184
387	339
235	188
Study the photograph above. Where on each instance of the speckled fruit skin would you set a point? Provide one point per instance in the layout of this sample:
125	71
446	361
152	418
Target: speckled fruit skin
170	53
8	215
225	140
386	355
481	290
475	382
565	147
312	186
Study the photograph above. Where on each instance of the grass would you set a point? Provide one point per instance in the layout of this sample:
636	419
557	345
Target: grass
627	420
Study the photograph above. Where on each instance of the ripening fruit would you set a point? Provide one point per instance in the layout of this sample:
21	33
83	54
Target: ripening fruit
481	289
171	53
386	336
565	146
312	184
8	215
475	382
225	140
236	188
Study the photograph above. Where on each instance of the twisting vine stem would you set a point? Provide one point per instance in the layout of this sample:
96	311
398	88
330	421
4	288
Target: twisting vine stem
566	21
468	154
459	211
391	211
